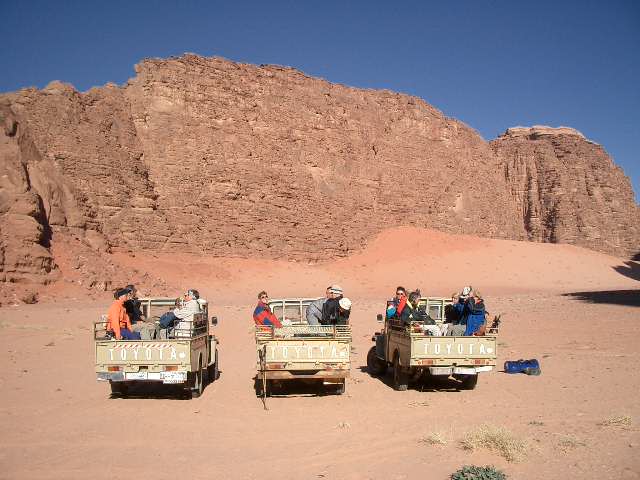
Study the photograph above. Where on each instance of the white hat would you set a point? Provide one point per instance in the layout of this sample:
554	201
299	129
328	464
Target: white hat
466	291
345	303
336	289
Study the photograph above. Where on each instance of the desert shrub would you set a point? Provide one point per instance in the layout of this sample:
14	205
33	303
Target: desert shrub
619	421
496	439
569	442
471	472
434	438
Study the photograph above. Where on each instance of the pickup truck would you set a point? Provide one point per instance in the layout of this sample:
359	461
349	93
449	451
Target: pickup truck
298	351
188	356
413	354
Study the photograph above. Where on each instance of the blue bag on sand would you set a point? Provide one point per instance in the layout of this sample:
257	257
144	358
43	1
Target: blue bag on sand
530	367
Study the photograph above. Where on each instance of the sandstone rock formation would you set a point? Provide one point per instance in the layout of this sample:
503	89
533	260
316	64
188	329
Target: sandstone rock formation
568	190
208	156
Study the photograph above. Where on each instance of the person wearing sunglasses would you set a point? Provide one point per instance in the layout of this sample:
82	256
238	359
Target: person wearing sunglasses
396	305
262	315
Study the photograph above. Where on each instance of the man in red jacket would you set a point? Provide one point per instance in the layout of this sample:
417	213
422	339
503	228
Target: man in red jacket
263	315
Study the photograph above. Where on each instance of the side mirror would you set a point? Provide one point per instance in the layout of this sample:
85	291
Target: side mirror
214	320
379	317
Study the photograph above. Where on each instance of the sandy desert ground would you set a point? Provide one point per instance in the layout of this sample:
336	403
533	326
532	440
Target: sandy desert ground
575	310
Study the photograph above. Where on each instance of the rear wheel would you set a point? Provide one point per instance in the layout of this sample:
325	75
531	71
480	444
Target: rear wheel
119	388
375	366
400	377
468	382
341	387
213	372
197	383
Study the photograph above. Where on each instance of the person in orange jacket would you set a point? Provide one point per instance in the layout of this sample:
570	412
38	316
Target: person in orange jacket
117	319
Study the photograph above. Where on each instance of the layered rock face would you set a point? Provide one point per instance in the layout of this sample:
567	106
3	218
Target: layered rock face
208	156
568	190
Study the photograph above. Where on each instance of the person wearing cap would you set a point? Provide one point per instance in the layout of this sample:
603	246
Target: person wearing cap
262	315
118	322
331	308
184	314
344	310
314	310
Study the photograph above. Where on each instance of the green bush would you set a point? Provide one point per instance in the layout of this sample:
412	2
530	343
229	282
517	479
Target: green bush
471	472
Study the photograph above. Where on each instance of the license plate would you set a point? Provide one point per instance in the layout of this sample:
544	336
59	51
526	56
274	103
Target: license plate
136	375
440	370
174	377
465	370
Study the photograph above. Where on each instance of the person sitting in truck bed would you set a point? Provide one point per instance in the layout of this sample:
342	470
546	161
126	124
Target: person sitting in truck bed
184	314
331	308
118	323
459	312
314	310
397	304
475	313
411	313
262	315
344	310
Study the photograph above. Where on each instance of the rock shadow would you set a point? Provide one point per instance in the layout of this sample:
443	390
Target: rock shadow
630	268
630	298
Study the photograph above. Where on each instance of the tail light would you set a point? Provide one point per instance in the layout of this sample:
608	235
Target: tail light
114	369
170	368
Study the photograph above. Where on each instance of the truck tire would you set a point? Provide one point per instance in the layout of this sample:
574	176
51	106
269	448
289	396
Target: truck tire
400	377
197	383
213	371
375	366
119	388
468	382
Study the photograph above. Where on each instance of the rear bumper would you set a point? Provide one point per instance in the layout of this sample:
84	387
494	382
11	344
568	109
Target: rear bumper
459	370
319	374
164	377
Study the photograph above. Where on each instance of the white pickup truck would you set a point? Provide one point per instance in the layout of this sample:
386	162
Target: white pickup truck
412	353
187	356
317	353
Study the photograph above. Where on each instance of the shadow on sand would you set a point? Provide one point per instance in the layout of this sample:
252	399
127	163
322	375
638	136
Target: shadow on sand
630	298
630	268
424	384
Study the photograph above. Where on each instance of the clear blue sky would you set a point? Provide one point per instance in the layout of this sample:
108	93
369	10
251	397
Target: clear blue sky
491	64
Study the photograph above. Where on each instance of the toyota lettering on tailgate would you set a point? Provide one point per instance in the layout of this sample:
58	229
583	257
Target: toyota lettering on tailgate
307	352
150	352
436	348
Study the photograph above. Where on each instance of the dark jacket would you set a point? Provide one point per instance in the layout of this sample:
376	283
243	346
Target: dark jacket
475	315
331	312
410	314
133	310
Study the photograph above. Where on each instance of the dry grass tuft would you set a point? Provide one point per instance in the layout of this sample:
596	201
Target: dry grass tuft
496	439
570	442
619	421
434	438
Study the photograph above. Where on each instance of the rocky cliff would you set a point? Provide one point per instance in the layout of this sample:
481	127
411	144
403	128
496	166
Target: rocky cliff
205	155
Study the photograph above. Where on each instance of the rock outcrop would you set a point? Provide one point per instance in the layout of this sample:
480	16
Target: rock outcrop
208	156
568	190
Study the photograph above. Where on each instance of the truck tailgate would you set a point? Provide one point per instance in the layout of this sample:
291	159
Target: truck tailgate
307	353
428	350
166	352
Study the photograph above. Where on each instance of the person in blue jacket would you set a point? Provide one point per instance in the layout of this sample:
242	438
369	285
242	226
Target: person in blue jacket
474	312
